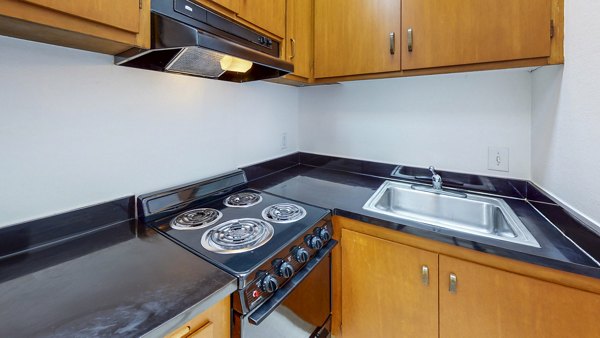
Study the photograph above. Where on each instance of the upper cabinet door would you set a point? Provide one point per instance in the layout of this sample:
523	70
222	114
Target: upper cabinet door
267	14
122	14
356	37
439	33
300	36
232	5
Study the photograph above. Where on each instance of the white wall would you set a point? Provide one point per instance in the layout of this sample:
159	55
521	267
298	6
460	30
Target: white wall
566	116
77	130
445	120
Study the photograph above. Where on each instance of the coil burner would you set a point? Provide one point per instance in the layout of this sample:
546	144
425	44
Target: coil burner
196	219
243	200
238	235
283	213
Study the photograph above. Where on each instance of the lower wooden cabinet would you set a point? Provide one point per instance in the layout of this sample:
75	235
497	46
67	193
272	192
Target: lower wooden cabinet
384	294
388	288
494	303
212	323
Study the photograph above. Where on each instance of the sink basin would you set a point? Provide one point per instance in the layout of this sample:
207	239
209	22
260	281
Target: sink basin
473	214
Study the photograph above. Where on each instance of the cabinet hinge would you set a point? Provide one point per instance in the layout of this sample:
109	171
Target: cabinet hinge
551	29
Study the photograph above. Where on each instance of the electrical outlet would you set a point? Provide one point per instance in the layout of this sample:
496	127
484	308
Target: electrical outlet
498	158
283	140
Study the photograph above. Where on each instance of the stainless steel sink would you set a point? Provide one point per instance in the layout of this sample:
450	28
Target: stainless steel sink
476	215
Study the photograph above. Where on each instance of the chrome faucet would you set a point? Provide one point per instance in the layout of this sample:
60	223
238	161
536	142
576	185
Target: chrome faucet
436	179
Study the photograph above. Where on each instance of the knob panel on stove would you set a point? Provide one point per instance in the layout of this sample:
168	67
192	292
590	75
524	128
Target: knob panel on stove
274	274
314	242
269	284
284	269
300	255
323	234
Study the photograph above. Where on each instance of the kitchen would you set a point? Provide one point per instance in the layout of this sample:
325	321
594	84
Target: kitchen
79	131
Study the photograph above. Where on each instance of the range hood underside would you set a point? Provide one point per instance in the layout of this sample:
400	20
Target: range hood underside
180	48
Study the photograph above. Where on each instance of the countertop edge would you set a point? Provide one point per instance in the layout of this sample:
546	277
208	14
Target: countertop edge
578	269
189	314
271	183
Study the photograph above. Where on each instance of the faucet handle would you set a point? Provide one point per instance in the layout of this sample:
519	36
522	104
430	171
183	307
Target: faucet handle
436	179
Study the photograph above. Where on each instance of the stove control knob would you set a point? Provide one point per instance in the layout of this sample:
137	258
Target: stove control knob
314	242
285	270
301	255
323	233
269	284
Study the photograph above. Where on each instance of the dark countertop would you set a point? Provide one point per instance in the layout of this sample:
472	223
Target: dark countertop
346	193
114	281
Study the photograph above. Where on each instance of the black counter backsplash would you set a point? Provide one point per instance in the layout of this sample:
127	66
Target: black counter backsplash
535	194
32	234
262	169
574	229
346	164
41	257
486	184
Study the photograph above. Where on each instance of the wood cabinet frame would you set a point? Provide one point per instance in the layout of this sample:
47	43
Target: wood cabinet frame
556	57
554	276
32	22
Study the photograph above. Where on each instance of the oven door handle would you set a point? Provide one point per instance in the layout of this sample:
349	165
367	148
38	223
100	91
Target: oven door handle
269	306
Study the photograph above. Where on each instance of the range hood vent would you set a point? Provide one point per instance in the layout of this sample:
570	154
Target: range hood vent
188	39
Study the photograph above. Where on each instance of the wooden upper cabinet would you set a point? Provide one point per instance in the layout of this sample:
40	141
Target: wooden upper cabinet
493	303
384	293
462	32
98	25
266	14
232	5
299	34
356	37
122	14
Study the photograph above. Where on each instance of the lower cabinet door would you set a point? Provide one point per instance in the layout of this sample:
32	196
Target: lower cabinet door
215	322
388	289
478	301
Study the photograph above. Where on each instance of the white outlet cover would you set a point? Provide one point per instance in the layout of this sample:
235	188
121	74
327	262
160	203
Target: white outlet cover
284	140
498	158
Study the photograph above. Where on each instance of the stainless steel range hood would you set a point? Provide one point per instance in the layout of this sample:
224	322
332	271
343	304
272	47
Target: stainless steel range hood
191	40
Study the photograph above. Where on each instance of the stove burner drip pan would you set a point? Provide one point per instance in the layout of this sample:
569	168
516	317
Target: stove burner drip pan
196	219
283	213
243	200
238	235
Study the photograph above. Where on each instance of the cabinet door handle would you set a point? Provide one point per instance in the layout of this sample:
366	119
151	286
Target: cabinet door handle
453	282
293	48
410	39
425	275
207	331
181	332
392	43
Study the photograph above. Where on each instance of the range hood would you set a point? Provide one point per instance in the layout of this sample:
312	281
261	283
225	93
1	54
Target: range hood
191	40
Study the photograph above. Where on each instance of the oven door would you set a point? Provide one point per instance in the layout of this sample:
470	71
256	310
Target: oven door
301	308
